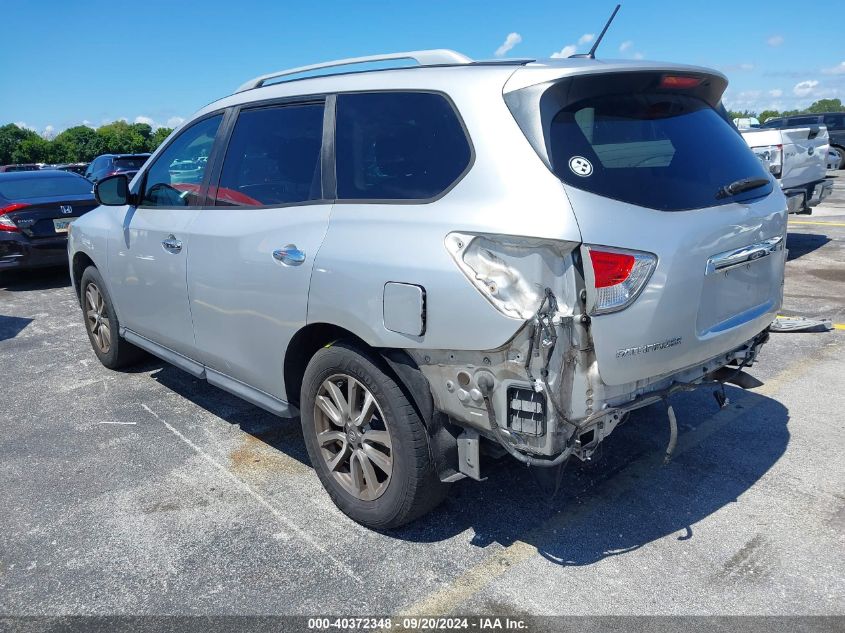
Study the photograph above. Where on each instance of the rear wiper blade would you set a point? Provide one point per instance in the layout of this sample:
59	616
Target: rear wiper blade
738	186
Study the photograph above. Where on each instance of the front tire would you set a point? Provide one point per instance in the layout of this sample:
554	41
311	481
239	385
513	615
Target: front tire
102	325
366	441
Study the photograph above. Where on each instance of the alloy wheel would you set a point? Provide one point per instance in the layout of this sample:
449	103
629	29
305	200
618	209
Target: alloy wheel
97	318
353	436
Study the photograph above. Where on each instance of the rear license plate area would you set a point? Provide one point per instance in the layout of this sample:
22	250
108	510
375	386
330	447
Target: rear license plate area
61	225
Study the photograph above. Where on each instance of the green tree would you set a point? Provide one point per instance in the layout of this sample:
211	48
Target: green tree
826	105
143	130
32	149
765	115
158	138
745	114
122	138
76	145
11	136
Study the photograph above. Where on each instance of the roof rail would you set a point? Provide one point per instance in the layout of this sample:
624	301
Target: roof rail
435	57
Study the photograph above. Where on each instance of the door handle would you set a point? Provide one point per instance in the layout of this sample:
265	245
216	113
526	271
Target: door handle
290	255
171	244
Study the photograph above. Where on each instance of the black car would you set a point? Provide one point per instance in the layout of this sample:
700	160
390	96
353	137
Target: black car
108	164
36	208
834	121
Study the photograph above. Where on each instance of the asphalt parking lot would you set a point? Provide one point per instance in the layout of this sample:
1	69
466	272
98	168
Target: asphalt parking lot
150	492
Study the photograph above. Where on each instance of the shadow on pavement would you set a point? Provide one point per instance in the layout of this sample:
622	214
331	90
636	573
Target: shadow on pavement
282	434
11	326
625	500
629	498
799	244
35	279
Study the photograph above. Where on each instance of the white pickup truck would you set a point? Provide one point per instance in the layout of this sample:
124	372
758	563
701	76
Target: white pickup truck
795	156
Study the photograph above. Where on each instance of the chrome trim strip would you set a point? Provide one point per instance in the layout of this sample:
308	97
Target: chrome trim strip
743	255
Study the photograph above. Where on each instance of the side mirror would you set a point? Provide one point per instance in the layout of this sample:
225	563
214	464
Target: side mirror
112	191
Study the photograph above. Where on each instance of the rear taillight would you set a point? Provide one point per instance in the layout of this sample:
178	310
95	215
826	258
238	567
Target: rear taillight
772	158
618	276
6	223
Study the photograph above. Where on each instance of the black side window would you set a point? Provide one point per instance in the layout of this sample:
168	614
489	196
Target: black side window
398	146
834	121
175	178
273	157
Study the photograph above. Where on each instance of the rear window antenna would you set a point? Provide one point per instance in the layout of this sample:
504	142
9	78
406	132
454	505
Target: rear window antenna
592	53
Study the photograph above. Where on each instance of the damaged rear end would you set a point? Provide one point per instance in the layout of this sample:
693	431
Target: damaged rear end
675	279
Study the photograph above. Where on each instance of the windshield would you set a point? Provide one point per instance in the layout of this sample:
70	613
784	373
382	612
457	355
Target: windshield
659	150
26	188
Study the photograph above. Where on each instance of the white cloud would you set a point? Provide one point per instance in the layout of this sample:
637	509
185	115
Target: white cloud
626	45
777	92
25	126
775	40
175	121
836	70
87	123
571	49
805	88
566	51
49	132
638	55
145	119
510	41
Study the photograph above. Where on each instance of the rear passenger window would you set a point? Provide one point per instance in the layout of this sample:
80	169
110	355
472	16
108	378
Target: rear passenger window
398	146
273	157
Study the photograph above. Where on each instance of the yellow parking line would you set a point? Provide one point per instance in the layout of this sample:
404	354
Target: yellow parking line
818	223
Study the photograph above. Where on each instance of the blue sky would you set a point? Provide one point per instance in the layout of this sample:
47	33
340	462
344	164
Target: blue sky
66	62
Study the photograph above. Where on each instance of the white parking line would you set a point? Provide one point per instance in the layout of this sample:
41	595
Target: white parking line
281	518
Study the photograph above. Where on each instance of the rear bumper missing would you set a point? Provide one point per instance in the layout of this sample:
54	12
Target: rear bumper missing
492	394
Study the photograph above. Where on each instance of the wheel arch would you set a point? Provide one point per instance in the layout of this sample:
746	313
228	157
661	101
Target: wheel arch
397	362
80	262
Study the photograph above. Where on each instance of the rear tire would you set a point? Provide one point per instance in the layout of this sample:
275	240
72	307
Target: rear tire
102	325
373	457
841	157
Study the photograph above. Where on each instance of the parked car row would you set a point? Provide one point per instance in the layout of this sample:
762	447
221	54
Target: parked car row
795	151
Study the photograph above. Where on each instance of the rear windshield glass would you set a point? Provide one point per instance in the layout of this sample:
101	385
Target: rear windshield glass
27	188
130	163
663	151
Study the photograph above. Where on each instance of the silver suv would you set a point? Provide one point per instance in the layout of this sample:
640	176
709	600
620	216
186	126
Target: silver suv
426	261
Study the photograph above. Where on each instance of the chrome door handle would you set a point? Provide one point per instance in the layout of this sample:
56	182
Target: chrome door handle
290	255
171	244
